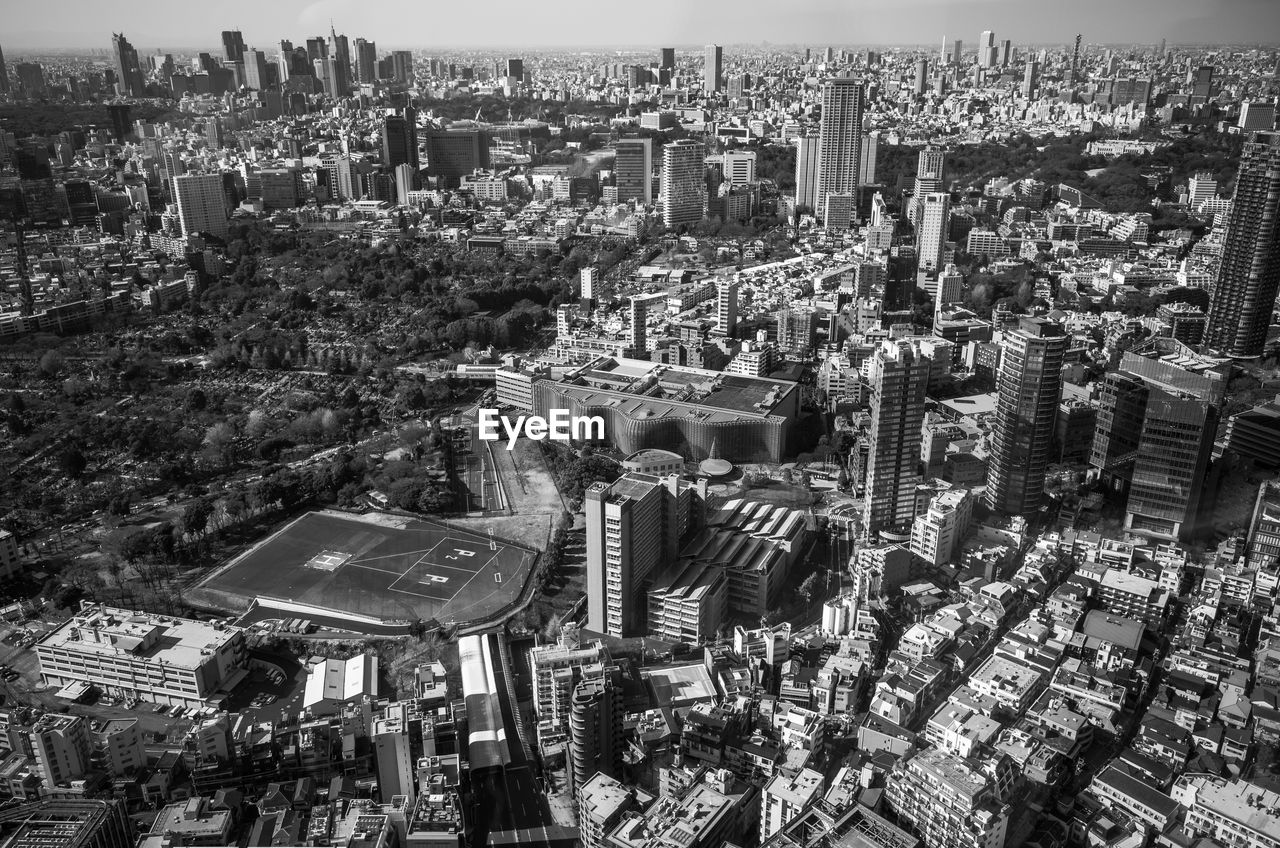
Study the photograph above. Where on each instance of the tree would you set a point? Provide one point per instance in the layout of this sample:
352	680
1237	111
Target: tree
808	587
51	363
73	462
195	518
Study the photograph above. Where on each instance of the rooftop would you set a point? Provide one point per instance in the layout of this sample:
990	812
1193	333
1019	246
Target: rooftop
182	642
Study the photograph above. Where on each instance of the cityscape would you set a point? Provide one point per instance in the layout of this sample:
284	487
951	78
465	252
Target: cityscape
712	425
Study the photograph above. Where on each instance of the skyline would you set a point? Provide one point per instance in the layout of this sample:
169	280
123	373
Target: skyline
504	23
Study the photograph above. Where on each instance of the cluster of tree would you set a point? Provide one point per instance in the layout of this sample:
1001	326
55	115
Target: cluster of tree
575	471
24	119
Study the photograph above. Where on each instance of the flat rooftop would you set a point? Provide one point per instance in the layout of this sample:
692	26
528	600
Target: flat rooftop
166	640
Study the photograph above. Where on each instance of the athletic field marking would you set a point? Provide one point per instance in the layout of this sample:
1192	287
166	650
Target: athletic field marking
390	556
373	568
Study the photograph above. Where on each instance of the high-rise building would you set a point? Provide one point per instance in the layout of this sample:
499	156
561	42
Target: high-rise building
1263	547
402	66
341	55
515	69
922	77
596	741
988	53
67	823
935	217
807	172
739	167
1156	425
668	60
129	82
255	70
30	79
952	802
1029	386
796	327
587	279
726	307
634	525
931	166
785	797
453	155
233	45
682	190
867	159
392	752
400	138
1244	293
1030	78
202	205
840	139
62	746
366	61
281	188
898	377
602	803
406	177
633	170
957	51
713	69
4	74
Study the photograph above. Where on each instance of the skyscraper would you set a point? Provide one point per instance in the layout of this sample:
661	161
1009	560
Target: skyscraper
988	53
1263	549
402	65
931	238
633	170
596	742
726	307
255	70
1030	78
515	69
898	379
366	61
1154	436
922	76
840	139
713	69
682	190
233	45
201	204
129	73
739	167
341	54
807	172
453	155
668	60
868	157
400	138
957	51
634	525
930	167
4	75
1244	293
1029	385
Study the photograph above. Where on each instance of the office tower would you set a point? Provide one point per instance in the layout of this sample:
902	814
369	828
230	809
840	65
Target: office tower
726	307
341	55
587	279
406	177
366	61
868	158
119	115
128	72
232	45
922	76
931	166
1244	294
840	139
634	526
898	377
515	69
120	740
668	61
633	170
1202	82
1030	78
202	207
281	188
1257	116
453	155
950	288
739	167
317	49
682	190
402	66
341	177
1153	440
392	754
4	74
255	70
556	669
931	238
988	53
1263	547
950	802
400	138
713	68
30	79
807	172
596	741
285	60
1006	53
841	212
957	50
1028	386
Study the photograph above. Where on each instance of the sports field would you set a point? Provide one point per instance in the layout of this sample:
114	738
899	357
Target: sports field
385	567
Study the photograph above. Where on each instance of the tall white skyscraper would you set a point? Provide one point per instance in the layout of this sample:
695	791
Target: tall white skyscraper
683	189
931	239
633	169
255	69
807	172
202	206
930	166
840	139
867	162
587	279
988	53
713	69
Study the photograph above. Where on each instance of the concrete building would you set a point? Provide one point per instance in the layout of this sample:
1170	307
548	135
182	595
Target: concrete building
898	377
202	205
556	670
784	797
158	658
1234	812
840	139
683	190
120	741
596	741
392	753
937	533
602	803
61	745
935	218
951	802
633	170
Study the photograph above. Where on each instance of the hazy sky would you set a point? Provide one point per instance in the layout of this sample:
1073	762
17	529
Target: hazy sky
27	24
